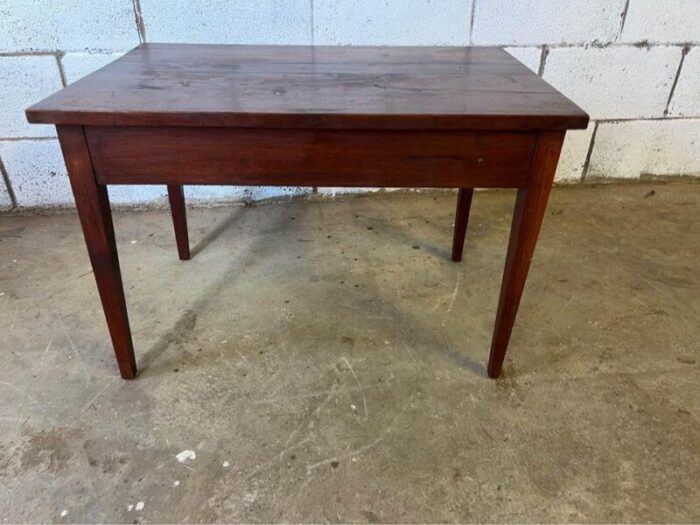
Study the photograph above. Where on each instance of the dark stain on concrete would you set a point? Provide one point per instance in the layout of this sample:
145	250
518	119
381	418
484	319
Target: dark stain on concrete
50	450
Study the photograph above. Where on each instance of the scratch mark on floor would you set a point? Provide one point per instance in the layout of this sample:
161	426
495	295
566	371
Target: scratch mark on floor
357	380
308	421
316	393
87	405
226	361
365	448
454	293
297	445
13	387
20	413
410	354
77	352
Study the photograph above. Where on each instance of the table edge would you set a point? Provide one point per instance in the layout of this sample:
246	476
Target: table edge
36	115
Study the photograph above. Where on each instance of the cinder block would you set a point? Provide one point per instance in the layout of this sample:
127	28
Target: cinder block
655	21
151	194
573	154
5	201
37	173
25	80
78	65
240	193
228	22
534	22
332	191
530	56
652	147
615	82
391	22
686	98
131	195
67	25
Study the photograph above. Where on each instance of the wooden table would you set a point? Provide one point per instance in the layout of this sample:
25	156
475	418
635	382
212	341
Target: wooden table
440	117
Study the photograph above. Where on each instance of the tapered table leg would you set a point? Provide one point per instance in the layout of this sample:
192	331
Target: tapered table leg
176	195
92	202
529	210
464	204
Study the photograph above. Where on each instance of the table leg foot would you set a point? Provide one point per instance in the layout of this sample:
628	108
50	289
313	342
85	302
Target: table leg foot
530	206
92	202
176	196
464	204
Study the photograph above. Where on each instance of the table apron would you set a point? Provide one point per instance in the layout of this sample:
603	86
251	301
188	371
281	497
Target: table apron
305	157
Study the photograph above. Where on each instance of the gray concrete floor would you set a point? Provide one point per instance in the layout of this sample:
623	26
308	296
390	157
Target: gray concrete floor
324	361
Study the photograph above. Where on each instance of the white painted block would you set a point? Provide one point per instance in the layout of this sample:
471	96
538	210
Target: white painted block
686	98
653	147
573	154
152	194
67	25
615	82
25	80
79	65
135	195
391	22
535	22
662	21
203	194
5	201
37	173
228	22
332	191
530	56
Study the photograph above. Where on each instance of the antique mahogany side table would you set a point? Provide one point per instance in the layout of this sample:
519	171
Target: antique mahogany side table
440	117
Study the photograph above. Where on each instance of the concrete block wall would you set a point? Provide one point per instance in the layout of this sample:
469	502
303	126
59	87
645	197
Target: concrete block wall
634	65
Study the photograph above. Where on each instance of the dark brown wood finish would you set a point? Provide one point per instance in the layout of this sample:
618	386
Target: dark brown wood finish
464	204
92	202
176	196
438	159
313	87
530	205
442	117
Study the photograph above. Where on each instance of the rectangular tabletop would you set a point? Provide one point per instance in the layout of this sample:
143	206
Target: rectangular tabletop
426	88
